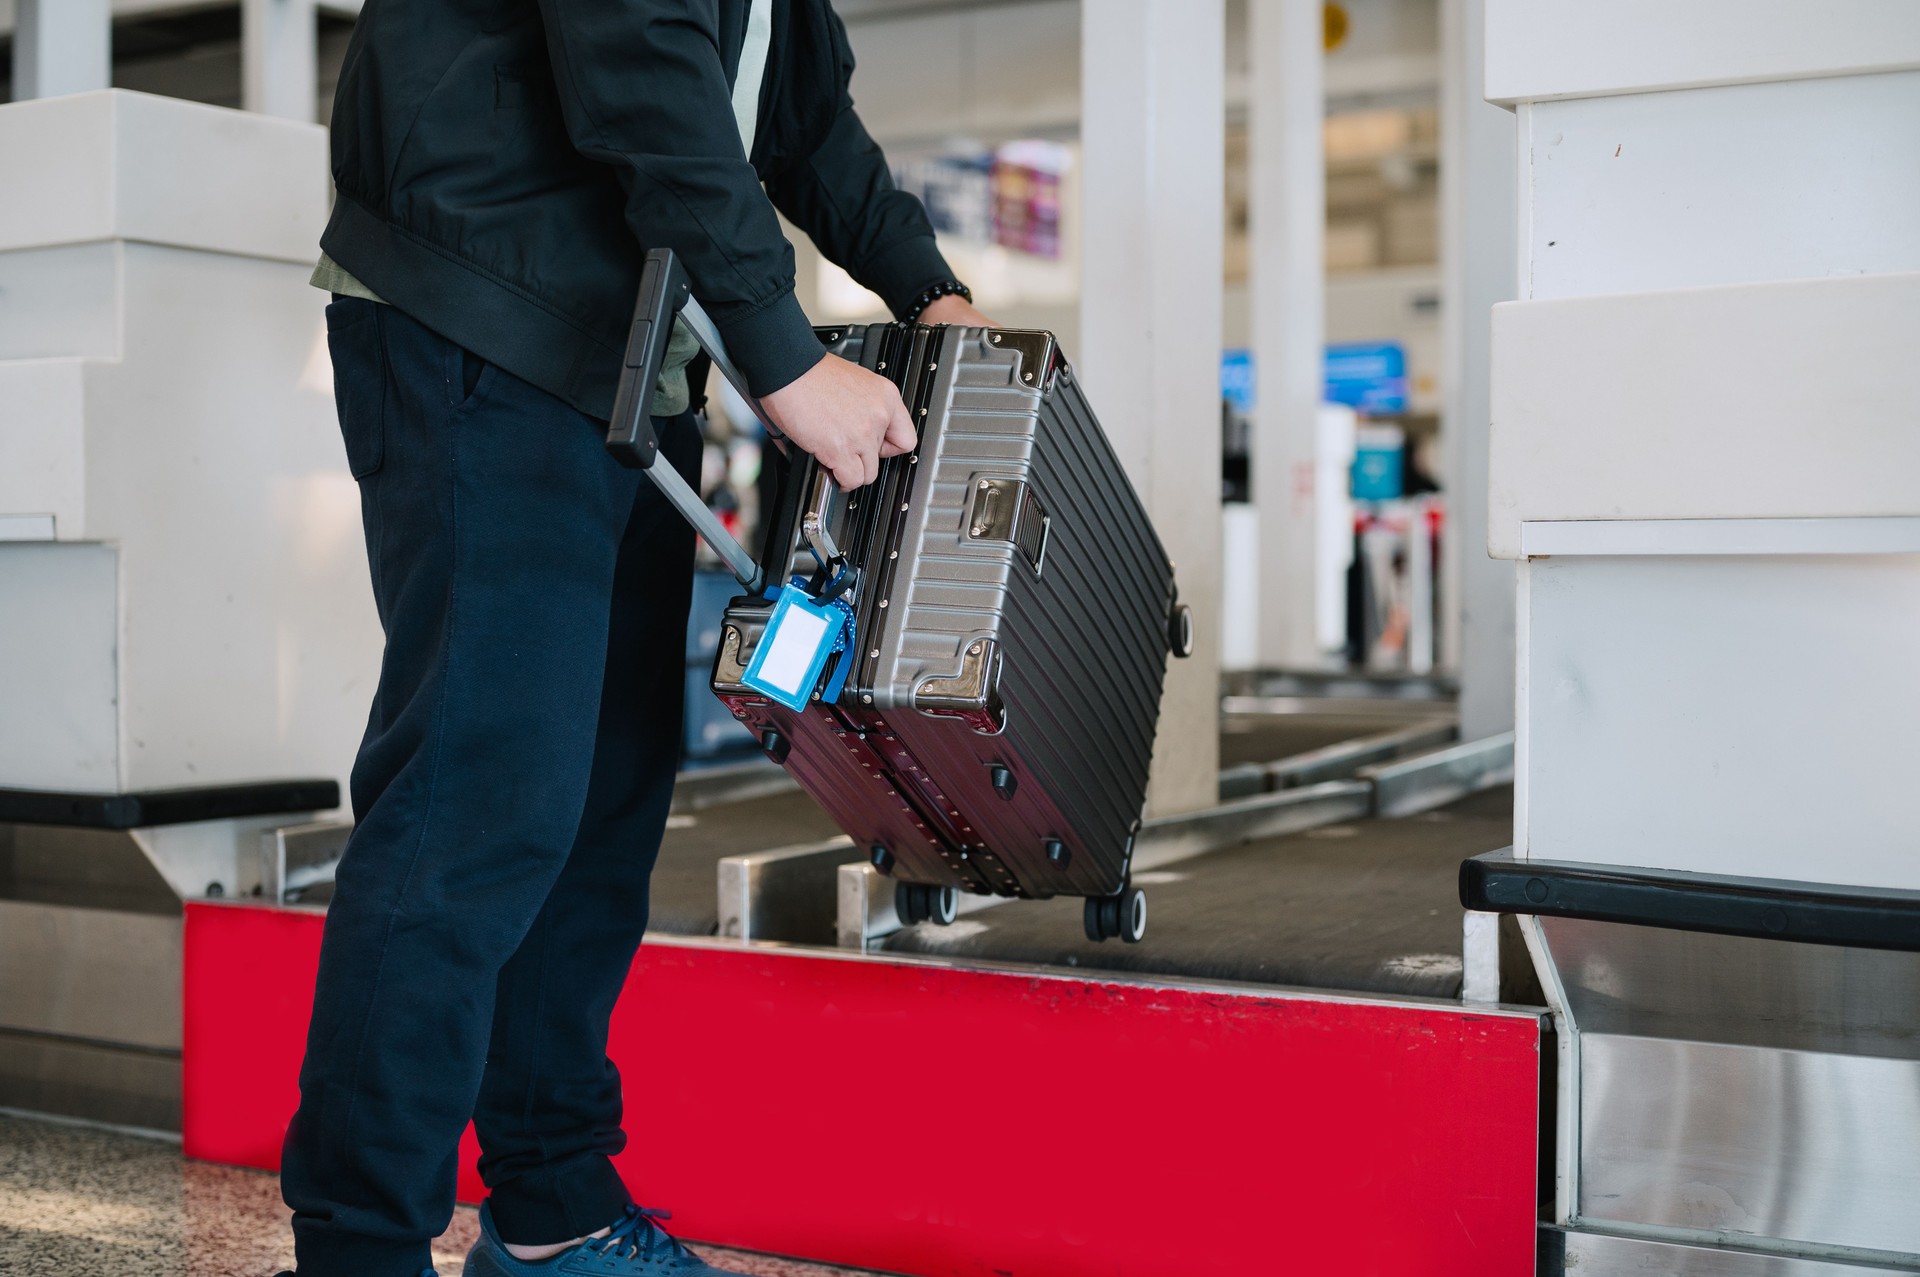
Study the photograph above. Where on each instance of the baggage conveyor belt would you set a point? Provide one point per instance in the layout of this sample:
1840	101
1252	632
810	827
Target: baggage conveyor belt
1371	906
1270	738
683	900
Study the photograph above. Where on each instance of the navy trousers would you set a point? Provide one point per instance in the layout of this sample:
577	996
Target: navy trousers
509	795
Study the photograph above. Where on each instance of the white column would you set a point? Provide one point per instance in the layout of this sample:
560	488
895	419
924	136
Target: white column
61	46
1153	118
1479	238
1287	193
278	58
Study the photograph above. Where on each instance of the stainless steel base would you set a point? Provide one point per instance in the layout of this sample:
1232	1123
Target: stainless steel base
1579	1254
786	894
99	1081
1715	1091
89	978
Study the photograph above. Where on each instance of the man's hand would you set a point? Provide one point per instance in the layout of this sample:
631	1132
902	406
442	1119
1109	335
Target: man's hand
955	309
845	417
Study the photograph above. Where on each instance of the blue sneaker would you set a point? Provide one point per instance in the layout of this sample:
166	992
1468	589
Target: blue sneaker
637	1247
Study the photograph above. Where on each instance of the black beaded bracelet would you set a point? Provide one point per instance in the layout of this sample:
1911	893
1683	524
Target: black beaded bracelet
945	288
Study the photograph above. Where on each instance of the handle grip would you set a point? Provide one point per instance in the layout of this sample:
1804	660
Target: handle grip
666	295
663	291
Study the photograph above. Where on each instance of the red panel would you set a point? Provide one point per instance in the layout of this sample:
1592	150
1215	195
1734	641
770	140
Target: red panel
946	1122
248	981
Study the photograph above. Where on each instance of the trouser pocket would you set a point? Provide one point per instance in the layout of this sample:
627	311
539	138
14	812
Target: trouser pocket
359	381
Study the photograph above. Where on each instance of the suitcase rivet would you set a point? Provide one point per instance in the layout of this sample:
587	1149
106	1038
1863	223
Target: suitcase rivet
893	554
875	653
923	412
880	367
975	647
931	367
996	339
883	602
985	484
1026	376
866	698
903	507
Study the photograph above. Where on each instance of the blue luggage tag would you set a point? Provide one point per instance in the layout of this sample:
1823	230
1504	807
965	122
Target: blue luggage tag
800	636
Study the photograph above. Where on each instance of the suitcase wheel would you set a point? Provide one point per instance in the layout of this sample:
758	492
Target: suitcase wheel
1180	631
1124	915
916	902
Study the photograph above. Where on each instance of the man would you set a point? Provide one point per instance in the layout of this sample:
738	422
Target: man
502	167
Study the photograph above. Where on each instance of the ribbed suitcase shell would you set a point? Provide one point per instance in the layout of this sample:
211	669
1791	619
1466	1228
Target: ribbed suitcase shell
1013	613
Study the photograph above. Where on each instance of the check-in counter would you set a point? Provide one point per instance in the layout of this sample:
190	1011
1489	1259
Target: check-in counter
187	641
1705	423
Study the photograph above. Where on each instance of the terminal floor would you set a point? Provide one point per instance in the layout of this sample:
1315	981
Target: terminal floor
1370	906
82	1202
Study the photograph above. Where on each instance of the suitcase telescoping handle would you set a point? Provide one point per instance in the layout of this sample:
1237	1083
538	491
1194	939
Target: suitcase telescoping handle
666	295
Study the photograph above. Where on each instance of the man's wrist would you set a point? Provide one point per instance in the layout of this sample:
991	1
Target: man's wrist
933	293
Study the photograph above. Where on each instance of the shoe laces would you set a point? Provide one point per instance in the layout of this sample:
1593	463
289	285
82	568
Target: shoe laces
637	1236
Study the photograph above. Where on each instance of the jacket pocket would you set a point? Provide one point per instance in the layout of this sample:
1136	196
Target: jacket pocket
359	381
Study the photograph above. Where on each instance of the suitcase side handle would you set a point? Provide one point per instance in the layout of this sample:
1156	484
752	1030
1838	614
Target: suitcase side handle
666	295
813	522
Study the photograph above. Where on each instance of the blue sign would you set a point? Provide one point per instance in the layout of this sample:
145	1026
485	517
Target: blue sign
1236	379
1370	376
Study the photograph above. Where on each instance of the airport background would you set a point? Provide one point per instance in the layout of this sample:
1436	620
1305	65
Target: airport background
1548	727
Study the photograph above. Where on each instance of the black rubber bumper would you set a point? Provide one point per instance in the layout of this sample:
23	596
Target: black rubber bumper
1763	908
145	808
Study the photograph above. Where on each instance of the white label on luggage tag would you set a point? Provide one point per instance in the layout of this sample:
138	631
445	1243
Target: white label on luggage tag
798	639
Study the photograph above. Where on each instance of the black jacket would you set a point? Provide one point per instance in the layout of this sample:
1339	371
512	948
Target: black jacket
504	164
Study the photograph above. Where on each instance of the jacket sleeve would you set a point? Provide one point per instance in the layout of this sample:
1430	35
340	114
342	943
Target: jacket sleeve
844	198
644	90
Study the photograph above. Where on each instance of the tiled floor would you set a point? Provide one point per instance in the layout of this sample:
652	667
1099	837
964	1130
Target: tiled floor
81	1202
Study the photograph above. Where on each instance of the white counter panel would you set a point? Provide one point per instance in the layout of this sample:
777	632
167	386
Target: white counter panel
57	668
251	646
60	302
1763	401
1738	715
1542	49
43	442
121	165
1722	186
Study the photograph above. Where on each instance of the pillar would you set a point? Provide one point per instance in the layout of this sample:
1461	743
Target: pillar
1479	263
61	47
1153	118
279	54
1287	191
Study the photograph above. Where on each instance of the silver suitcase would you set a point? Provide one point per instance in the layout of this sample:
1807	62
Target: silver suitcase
1013	614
